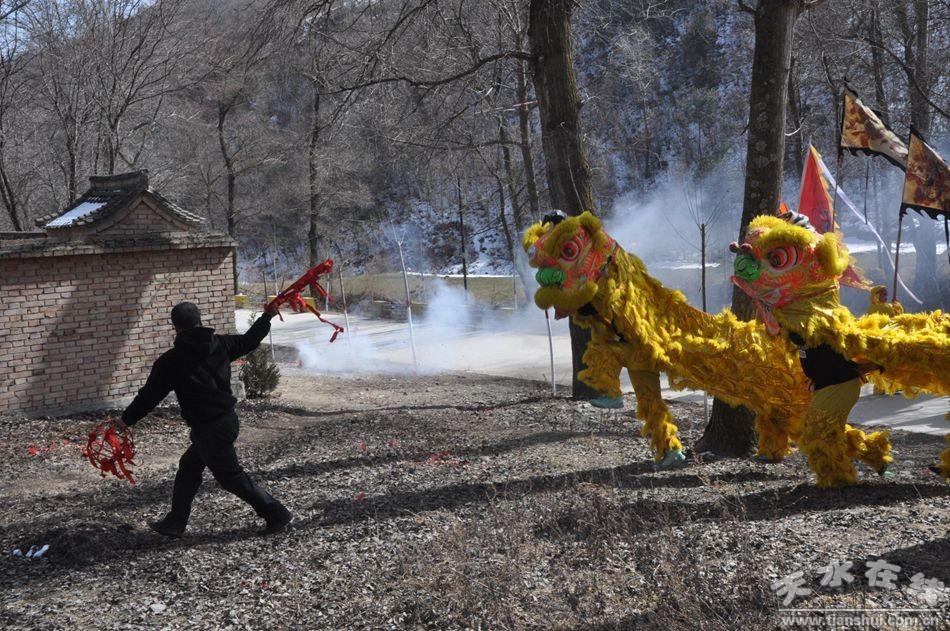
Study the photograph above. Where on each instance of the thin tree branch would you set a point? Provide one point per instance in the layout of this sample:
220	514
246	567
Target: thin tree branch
430	83
745	7
909	72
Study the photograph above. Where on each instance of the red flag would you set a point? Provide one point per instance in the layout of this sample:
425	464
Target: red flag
814	201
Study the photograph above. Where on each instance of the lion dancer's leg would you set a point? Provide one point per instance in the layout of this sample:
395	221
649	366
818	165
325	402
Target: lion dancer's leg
604	361
943	467
774	434
657	421
872	449
825	440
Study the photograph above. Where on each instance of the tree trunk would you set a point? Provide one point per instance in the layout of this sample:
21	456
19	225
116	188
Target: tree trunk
795	112
517	210
71	177
230	211
503	219
730	430
568	174
527	160
916	53
113	145
313	241
7	192
877	68
646	142
509	170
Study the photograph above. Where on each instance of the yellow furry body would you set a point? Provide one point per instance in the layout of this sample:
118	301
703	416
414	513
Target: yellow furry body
647	328
912	350
638	324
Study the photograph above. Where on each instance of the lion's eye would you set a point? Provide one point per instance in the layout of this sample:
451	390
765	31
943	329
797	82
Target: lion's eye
570	251
783	257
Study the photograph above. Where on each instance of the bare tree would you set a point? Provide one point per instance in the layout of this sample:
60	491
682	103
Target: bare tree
569	177
62	75
139	49
730	431
234	63
13	79
912	17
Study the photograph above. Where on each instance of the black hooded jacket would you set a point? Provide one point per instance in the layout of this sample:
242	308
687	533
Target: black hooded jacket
198	369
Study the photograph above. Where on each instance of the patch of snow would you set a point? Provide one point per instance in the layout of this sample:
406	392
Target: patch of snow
686	265
470	275
855	247
82	210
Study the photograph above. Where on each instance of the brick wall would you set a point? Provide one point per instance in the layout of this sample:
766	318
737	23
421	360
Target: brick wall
143	220
80	331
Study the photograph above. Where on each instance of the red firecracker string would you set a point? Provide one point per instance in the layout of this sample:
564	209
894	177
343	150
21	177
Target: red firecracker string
292	295
110	451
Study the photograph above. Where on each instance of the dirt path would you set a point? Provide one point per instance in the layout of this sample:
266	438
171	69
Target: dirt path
454	501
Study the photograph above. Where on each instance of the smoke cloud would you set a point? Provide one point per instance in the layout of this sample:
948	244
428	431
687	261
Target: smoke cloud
452	334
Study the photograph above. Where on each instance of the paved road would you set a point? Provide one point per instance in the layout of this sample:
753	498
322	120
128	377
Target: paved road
512	344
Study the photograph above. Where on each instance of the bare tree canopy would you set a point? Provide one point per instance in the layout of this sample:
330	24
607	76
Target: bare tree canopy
269	115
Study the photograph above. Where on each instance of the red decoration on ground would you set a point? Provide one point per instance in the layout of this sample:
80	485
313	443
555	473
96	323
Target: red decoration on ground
110	451
437	458
292	296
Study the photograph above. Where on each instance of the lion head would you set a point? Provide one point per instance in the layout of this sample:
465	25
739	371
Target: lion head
570	254
783	261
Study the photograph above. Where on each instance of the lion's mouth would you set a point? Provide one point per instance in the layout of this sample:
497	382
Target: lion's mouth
565	302
763	304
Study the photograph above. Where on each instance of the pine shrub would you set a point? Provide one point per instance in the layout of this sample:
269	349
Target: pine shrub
260	373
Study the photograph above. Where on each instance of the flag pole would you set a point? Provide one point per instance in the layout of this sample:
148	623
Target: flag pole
897	254
840	115
834	201
547	319
867	176
405	280
346	315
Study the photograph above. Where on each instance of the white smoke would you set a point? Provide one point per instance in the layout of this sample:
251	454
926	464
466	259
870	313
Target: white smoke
662	227
453	333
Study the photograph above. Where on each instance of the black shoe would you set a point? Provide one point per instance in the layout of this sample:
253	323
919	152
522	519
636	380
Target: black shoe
278	522
167	529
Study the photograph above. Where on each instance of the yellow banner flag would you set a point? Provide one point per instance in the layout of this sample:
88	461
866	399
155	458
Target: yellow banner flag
863	131
927	183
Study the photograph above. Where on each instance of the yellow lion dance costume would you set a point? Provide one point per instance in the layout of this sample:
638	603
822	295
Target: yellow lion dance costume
638	324
792	275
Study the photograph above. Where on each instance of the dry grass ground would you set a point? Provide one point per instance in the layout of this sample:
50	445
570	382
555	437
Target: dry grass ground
454	502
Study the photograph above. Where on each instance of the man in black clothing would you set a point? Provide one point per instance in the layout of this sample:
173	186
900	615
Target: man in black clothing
198	369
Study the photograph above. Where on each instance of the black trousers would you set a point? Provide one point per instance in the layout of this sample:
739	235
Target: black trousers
212	446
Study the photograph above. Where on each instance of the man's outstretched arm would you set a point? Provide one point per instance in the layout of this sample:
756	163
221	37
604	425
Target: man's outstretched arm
240	345
156	388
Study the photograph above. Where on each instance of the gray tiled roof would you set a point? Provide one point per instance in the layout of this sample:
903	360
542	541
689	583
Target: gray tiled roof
108	195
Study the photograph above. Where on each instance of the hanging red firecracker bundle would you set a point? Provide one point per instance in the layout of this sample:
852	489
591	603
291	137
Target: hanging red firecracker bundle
111	451
292	295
